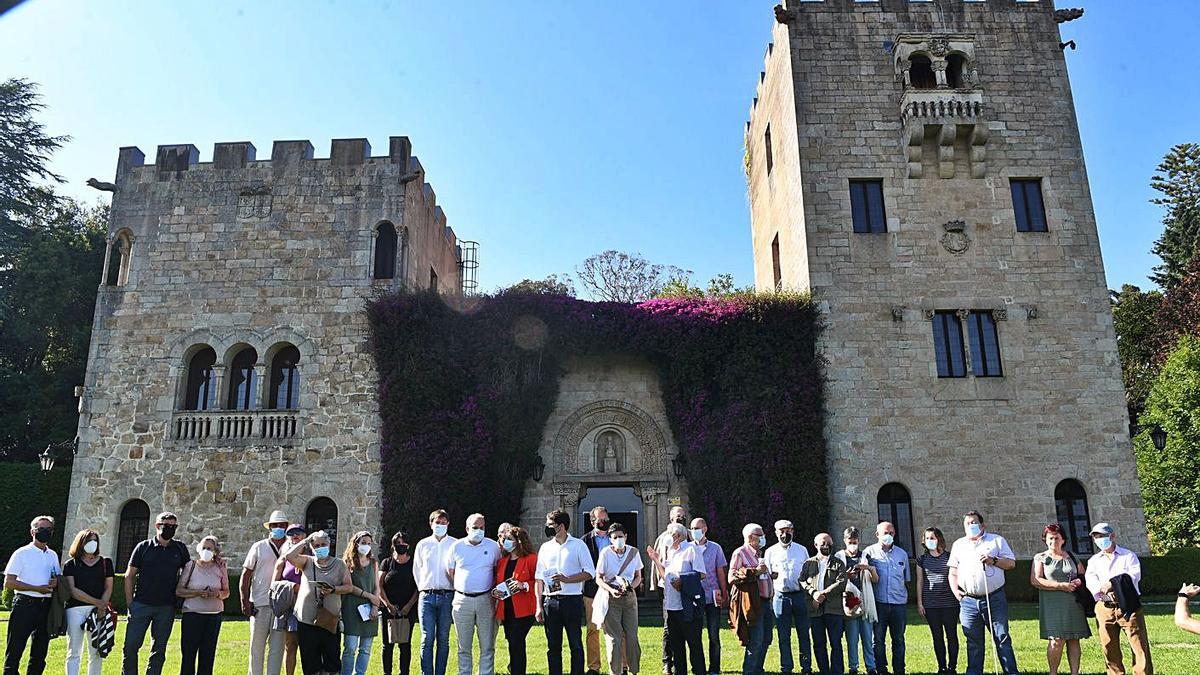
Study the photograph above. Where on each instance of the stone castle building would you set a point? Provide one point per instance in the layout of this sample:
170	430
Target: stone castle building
915	165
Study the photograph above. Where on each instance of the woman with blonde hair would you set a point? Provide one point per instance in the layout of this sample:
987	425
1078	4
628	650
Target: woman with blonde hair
204	586
89	578
360	611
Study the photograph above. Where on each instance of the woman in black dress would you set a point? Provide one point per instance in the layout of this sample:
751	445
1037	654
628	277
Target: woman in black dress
398	591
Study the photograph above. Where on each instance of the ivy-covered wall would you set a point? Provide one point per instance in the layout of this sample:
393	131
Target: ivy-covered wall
464	394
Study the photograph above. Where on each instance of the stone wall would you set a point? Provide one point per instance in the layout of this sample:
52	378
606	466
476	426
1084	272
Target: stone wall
235	253
833	93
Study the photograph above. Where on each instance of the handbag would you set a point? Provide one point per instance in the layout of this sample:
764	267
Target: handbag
1082	595
396	629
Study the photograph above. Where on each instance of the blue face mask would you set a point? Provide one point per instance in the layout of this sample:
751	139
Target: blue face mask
887	540
509	545
321	551
277	533
1104	543
974	530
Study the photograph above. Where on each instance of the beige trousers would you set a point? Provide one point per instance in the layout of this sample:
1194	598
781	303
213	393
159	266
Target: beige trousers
1112	624
621	634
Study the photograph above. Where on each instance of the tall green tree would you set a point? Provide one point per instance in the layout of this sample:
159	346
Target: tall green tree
1171	477
1178	179
25	150
1134	313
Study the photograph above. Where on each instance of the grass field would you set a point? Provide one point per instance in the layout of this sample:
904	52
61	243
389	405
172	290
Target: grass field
1174	652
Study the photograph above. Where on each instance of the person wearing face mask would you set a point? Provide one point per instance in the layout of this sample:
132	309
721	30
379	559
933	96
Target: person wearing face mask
750	602
685	608
203	585
890	563
662	544
859	628
359	631
563	564
936	601
790	603
437	593
716	588
258	571
32	571
1114	576
977	564
286	571
472	567
596	540
89	578
1057	575
618	574
324	580
516	603
150	581
824	579
398	593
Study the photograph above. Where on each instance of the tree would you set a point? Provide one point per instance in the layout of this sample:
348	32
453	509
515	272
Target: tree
720	286
1178	179
1134	313
25	150
622	277
551	285
1178	314
1171	477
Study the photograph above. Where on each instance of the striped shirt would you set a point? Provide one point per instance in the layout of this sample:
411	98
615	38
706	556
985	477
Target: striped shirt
935	590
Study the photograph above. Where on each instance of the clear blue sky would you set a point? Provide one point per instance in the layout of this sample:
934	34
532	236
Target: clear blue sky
550	130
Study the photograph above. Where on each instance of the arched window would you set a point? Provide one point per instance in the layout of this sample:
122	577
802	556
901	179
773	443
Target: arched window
895	506
200	392
385	251
241	380
956	67
1070	502
921	73
322	514
133	528
118	261
285	379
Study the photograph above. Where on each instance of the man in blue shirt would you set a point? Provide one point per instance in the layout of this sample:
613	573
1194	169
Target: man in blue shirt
891	596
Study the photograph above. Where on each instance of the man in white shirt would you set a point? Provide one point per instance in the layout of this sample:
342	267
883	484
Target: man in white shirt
258	572
685	635
785	560
32	571
977	565
433	581
1111	562
662	544
564	563
472	569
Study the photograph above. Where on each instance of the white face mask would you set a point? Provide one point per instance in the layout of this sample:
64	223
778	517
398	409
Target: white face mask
364	549
852	548
91	546
619	543
475	535
439	529
206	554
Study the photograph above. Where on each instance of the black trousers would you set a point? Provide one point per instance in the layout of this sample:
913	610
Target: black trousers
405	649
320	650
687	645
198	635
943	623
515	630
28	619
563	613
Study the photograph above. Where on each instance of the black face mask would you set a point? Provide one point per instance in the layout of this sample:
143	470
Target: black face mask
825	550
43	534
602	526
785	538
681	519
551	530
167	531
400	549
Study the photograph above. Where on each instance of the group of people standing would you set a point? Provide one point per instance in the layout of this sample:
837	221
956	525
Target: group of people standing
302	599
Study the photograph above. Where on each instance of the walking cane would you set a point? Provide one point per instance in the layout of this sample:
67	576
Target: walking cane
987	597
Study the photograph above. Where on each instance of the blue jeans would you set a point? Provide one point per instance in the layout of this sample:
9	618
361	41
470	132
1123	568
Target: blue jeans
892	618
860	629
829	656
159	620
356	654
791	610
435	627
760	641
973	612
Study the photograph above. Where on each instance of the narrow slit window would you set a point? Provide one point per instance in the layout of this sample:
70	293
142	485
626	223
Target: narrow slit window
985	344
948	345
1028	205
770	152
866	206
776	268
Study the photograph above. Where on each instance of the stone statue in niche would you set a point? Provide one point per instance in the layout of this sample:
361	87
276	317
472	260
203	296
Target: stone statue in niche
610	452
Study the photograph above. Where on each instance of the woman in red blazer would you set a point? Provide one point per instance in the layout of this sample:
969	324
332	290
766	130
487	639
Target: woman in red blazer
516	613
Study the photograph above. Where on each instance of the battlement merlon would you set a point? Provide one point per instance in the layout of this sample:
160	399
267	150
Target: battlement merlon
790	10
171	162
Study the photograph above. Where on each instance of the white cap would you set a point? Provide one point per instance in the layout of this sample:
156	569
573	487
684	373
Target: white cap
276	516
780	524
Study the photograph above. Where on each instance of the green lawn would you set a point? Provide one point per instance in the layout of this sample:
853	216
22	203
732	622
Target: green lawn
1175	653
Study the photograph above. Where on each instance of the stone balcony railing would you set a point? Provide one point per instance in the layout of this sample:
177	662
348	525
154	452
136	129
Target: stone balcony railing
947	115
236	427
953	106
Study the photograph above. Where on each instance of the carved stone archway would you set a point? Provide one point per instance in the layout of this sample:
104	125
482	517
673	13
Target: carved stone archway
568	457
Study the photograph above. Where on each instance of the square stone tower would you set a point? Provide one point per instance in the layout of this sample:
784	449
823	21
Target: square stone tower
229	372
917	166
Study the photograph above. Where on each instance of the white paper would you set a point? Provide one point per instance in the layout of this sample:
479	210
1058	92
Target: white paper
364	610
